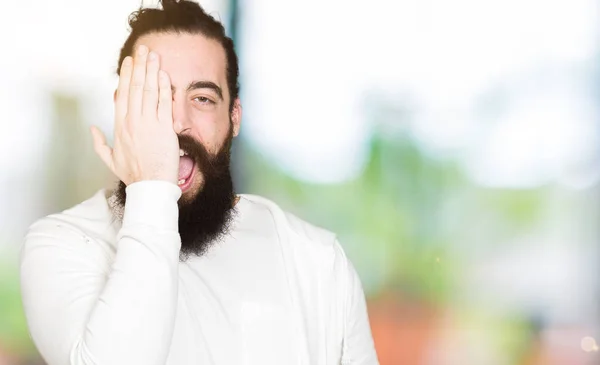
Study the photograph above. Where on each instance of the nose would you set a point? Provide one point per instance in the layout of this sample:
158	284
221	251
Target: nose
181	120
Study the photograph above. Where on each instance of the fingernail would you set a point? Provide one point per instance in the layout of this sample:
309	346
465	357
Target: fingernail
142	50
162	75
127	61
152	56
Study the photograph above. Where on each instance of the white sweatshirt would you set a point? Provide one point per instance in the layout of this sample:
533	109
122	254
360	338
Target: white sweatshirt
277	290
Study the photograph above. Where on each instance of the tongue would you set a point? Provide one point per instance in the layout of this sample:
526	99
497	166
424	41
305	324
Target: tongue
186	164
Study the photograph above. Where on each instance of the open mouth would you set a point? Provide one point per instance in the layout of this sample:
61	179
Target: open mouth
187	170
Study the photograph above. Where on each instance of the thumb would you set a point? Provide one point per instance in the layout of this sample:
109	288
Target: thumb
101	147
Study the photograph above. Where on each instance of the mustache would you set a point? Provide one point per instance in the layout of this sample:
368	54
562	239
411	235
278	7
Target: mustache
209	164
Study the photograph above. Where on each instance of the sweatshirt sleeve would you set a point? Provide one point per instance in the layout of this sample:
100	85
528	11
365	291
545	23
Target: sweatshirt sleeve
357	343
82	309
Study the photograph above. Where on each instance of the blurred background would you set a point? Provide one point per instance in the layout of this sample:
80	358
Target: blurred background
452	145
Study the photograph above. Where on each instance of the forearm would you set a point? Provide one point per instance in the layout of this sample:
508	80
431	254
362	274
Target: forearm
133	319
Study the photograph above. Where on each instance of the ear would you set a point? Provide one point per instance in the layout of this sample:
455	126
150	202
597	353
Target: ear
115	96
236	116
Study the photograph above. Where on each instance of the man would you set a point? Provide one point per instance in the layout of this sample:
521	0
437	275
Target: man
172	267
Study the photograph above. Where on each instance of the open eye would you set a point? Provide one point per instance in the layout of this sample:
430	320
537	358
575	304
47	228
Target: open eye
203	100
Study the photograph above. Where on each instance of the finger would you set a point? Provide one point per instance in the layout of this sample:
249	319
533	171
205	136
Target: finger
123	91
165	103
150	100
136	89
101	147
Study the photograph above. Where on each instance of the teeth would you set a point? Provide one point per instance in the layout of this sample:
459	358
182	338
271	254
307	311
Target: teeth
180	182
181	152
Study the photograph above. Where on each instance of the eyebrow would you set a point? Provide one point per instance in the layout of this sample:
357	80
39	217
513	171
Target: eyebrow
203	85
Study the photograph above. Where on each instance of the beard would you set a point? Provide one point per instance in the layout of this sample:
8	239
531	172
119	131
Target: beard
206	216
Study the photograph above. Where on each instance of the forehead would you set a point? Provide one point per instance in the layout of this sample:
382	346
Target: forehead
188	58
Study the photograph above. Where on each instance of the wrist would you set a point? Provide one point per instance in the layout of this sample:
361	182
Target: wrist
152	202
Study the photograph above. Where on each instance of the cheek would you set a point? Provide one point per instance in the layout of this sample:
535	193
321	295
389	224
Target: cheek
206	129
211	128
